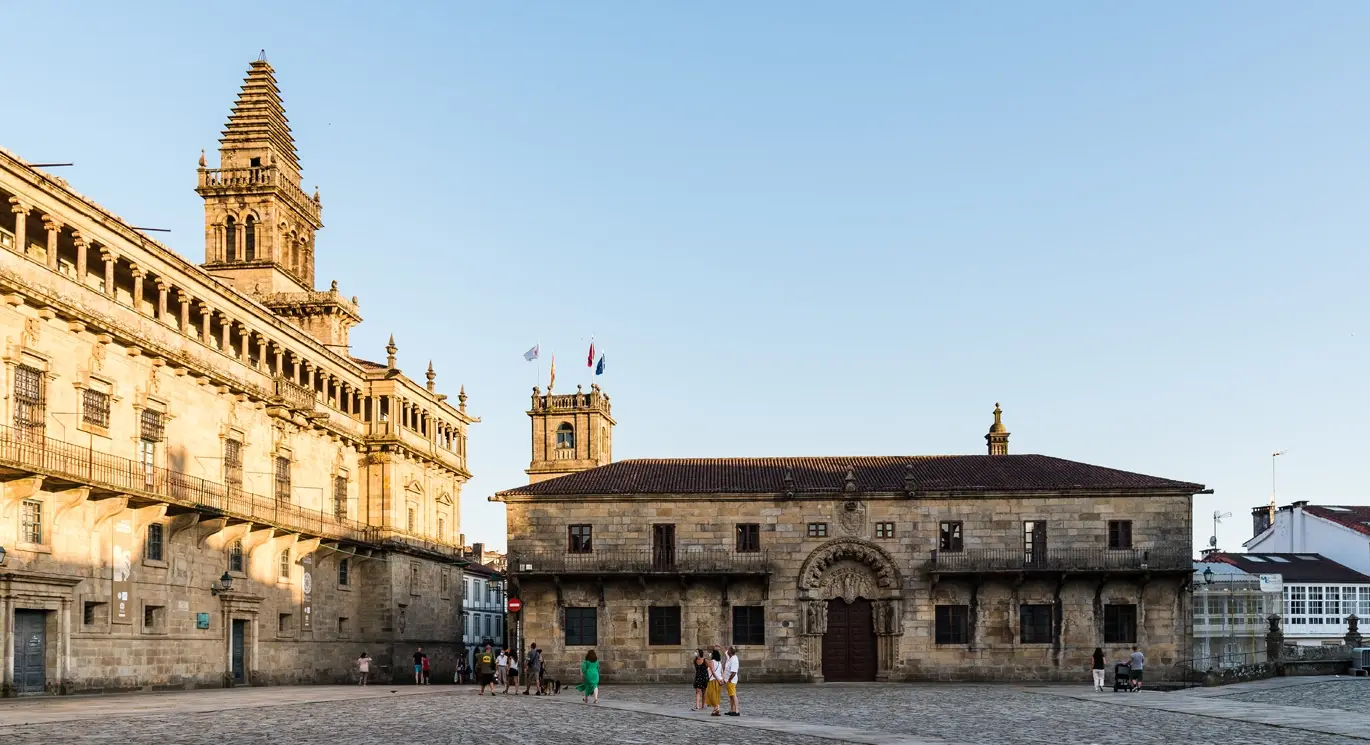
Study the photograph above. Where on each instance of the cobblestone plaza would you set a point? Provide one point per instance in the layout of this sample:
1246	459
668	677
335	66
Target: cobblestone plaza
1325	711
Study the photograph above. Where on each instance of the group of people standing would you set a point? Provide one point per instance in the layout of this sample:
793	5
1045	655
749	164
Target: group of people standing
494	669
713	675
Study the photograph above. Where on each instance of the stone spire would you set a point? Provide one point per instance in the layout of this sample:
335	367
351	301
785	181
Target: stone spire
461	398
257	126
390	350
998	434
430	375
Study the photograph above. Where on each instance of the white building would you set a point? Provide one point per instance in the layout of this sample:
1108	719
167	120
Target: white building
1341	533
1230	608
483	608
1319	594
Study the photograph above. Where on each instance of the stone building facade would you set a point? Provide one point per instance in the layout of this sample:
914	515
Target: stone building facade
201	486
971	567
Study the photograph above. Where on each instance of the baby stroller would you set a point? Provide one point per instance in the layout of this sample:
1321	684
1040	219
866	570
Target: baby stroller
1122	677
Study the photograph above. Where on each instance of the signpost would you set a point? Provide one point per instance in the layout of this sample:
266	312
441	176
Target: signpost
515	605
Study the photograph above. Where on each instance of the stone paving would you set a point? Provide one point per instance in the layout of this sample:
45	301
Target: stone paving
867	714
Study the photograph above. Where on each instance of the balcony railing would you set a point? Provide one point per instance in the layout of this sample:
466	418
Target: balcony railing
32	452
681	560
293	394
238	178
1062	560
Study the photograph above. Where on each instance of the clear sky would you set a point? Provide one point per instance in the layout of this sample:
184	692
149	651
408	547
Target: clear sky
798	228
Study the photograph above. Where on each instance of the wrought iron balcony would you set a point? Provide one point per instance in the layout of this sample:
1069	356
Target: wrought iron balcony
680	561
990	560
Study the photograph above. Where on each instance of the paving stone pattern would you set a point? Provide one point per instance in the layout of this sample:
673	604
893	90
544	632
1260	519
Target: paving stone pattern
989	714
1350	694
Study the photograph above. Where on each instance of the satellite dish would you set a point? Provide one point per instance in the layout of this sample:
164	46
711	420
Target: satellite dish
1213	541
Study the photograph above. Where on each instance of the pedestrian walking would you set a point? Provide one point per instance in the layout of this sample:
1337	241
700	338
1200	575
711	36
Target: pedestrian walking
485	669
502	666
589	672
427	671
730	671
712	692
533	668
512	677
701	678
418	666
1098	669
463	671
363	669
1136	662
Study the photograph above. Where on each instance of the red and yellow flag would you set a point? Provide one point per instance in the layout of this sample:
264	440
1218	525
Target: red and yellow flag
553	381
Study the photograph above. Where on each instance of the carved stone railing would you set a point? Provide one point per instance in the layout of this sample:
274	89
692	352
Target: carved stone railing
224	179
579	401
292	394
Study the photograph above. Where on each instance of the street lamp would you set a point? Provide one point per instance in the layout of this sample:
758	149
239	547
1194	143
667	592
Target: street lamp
1208	575
225	584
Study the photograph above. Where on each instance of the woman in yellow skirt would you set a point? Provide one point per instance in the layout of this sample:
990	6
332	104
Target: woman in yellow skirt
713	693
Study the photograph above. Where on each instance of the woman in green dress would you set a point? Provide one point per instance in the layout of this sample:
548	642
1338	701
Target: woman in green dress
589	670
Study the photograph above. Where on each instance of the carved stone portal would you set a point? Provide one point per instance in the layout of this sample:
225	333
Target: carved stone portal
886	576
848	582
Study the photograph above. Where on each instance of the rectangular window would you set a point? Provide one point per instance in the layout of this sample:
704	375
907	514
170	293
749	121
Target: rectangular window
1120	534
749	624
151	427
1315	604
409	520
485	625
578	539
581	628
952	624
344	573
154	617
340	497
284	572
442	529
1034	623
1034	541
154	542
443	585
30	402
489	593
342	626
818	530
235	557
282	480
1334	605
94	612
147	460
950	538
284	623
233	463
465	625
1120	624
1364	602
884	530
95	408
31	525
748	538
663	625
414	579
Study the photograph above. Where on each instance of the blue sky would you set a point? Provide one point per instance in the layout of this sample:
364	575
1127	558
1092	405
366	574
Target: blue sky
798	228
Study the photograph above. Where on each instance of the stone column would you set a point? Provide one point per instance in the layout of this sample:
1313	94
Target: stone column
81	250
245	351
138	274
205	315
110	258
313	371
1353	636
21	226
162	288
184	300
7	646
1274	640
226	327
296	365
263	350
54	228
280	361
887	616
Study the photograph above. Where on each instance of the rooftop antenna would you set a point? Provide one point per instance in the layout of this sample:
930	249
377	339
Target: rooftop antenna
1273	456
1218	517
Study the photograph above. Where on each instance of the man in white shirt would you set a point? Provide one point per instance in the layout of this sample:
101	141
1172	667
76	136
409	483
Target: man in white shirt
730	679
502	665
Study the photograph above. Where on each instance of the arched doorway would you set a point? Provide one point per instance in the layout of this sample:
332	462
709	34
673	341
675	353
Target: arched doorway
849	641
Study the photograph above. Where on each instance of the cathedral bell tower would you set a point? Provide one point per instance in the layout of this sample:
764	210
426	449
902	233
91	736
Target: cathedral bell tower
997	439
571	432
259	223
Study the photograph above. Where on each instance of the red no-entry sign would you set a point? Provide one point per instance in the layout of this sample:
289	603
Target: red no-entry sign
515	605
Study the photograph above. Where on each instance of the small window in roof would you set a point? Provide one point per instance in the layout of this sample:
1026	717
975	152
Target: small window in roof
1308	557
1337	509
1279	559
1250	557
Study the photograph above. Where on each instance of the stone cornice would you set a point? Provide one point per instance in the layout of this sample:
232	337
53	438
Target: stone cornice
836	496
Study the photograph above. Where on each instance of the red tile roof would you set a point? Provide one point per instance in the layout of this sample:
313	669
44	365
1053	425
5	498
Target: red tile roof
368	364
1355	517
1293	567
828	475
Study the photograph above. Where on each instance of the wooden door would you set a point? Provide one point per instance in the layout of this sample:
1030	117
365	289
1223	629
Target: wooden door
30	651
849	644
239	651
663	547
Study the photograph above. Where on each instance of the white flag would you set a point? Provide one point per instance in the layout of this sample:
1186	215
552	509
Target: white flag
531	354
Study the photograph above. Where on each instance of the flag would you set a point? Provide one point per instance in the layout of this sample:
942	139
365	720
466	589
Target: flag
599	369
553	381
590	360
531	354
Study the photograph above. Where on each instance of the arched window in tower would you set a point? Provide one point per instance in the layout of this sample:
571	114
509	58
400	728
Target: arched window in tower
249	239
230	240
295	256
566	436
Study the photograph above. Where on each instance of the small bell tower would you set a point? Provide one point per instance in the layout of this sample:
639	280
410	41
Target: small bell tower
998	434
572	432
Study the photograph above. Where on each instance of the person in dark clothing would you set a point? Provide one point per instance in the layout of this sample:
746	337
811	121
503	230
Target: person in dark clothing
418	667
532	670
1098	669
701	678
485	669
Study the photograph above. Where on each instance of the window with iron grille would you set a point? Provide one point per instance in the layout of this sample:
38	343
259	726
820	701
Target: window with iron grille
1034	622
578	537
95	408
30	401
31	528
748	538
950	539
951	624
151	426
282	479
233	463
235	556
344	573
1120	534
340	497
663	625
749	624
1120	624
581	627
153	550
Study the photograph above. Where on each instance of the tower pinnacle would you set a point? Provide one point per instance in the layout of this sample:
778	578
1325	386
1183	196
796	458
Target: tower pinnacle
998	434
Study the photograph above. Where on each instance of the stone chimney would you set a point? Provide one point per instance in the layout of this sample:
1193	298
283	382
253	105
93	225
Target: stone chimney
478	552
1261	519
998	434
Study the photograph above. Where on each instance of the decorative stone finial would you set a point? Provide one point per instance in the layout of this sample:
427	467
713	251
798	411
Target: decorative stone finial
998	433
909	483
316	193
578	388
788	483
202	157
390	350
849	483
333	286
354	301
461	398
430	375
261	56
998	425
